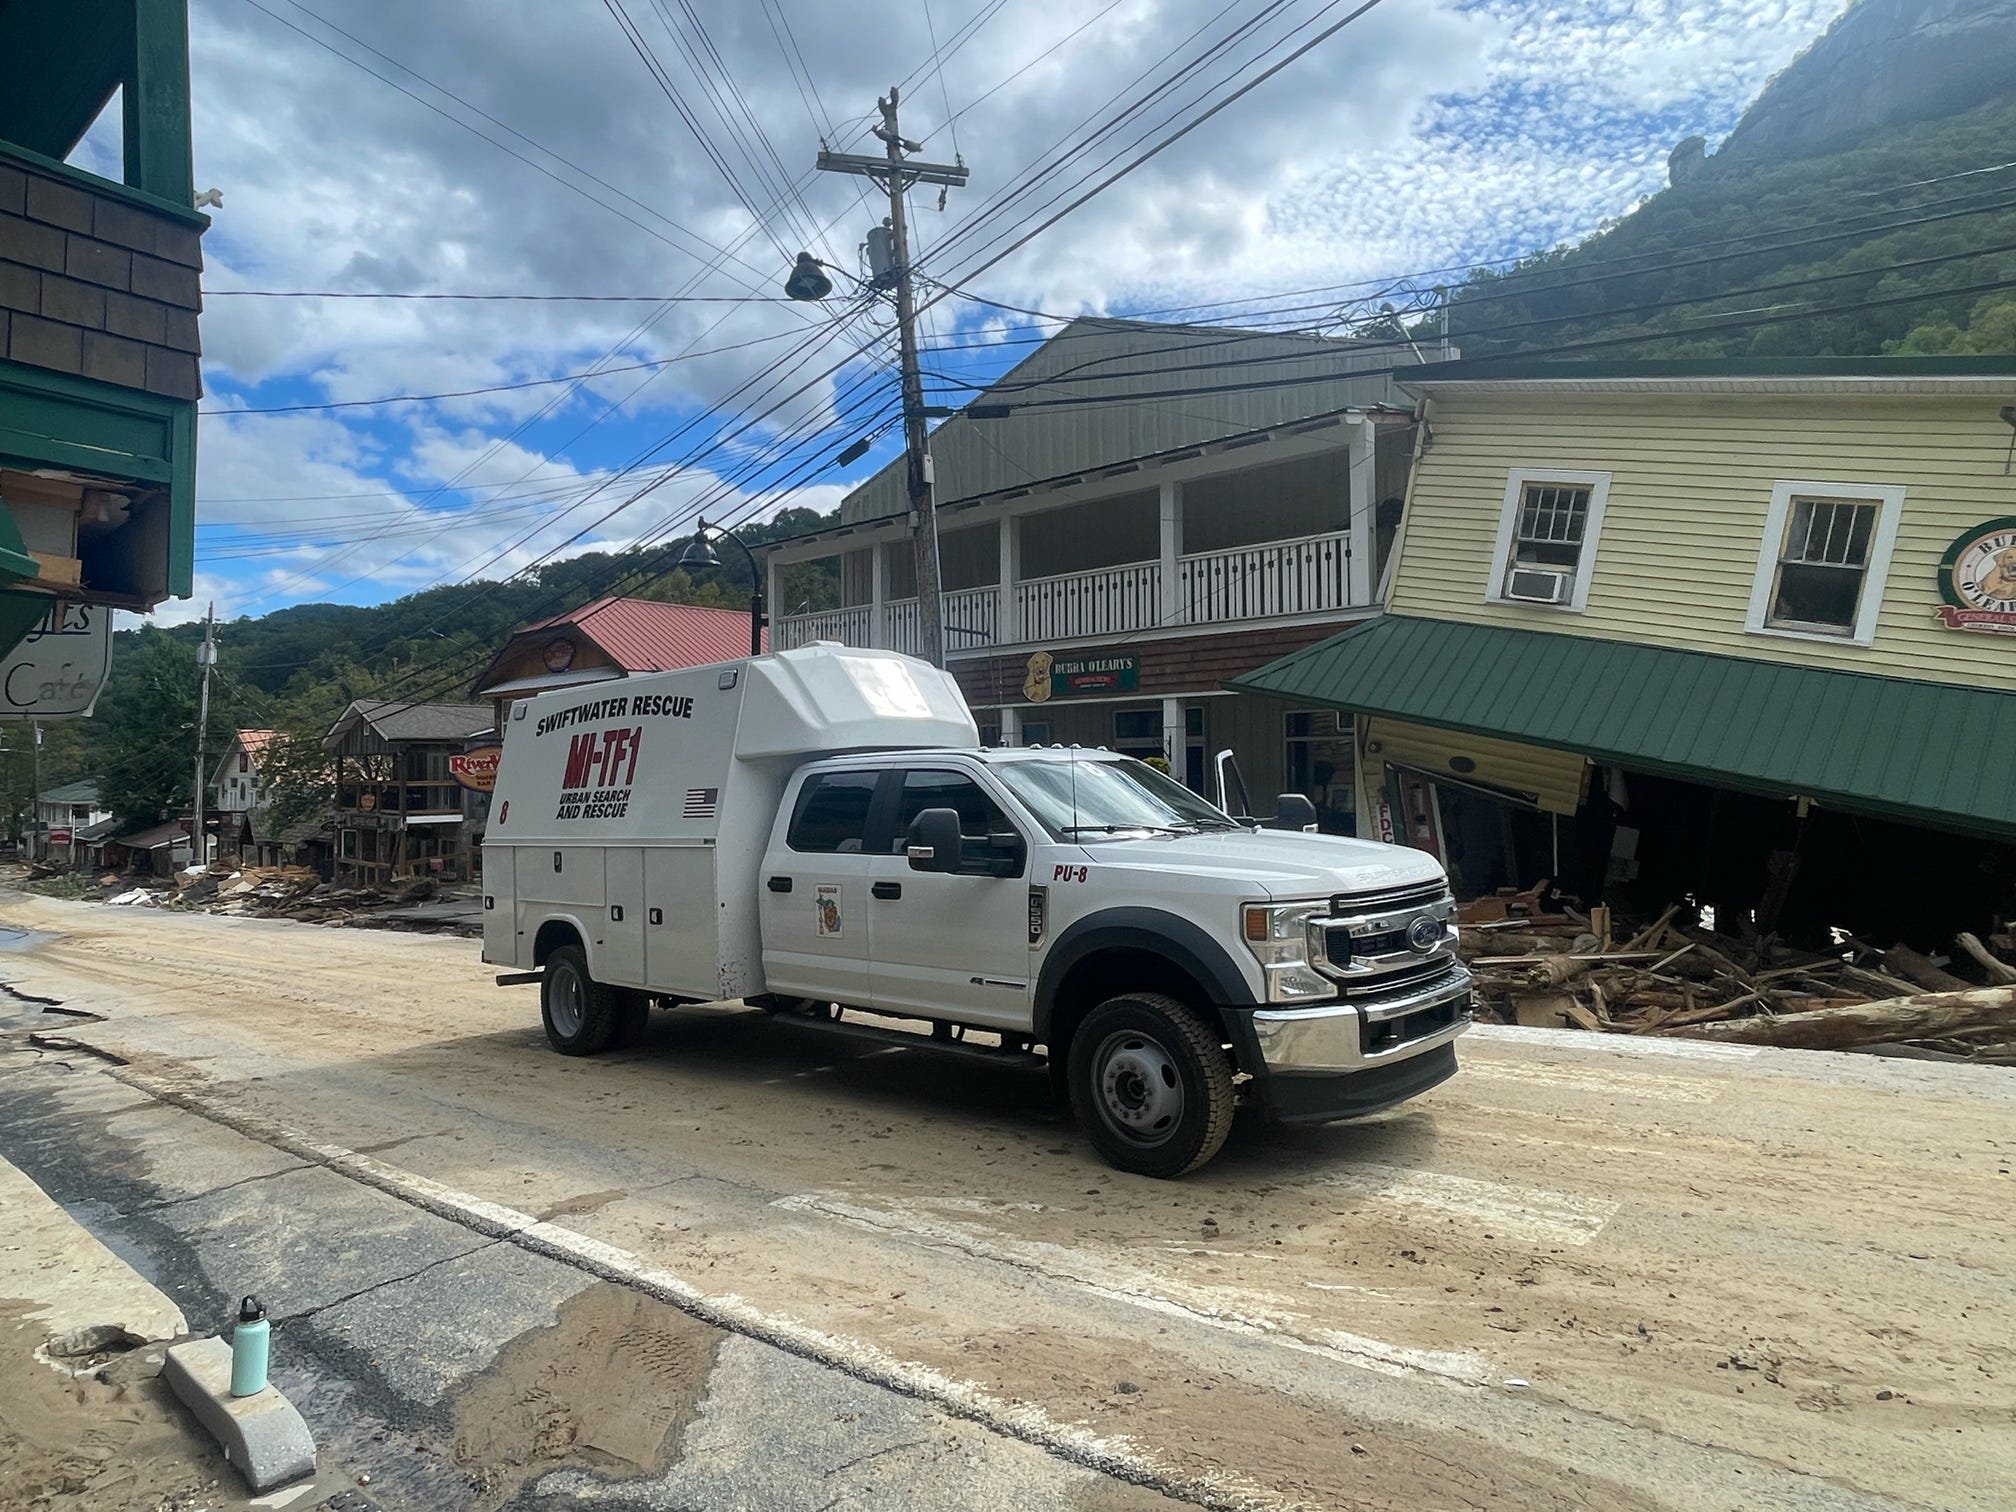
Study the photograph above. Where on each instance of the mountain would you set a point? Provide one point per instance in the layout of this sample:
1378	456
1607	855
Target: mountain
1883	64
1865	203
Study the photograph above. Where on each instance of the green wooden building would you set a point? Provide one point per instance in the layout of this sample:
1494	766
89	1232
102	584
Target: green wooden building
99	295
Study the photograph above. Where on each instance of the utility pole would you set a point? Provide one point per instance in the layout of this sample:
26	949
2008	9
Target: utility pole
897	173
35	846
206	658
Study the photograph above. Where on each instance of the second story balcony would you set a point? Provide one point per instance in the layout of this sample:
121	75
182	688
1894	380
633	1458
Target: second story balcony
1286	539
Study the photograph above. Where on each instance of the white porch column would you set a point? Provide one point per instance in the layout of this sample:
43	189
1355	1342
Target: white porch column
1174	737
878	597
1011	725
773	597
1171	518
1008	613
1364	506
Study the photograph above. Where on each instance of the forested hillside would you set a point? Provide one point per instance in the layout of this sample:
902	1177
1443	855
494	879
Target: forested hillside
1833	254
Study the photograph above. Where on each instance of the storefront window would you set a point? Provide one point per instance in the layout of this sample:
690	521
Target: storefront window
1320	763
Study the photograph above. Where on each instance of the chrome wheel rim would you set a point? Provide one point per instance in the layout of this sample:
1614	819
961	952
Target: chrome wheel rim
1140	1090
566	1003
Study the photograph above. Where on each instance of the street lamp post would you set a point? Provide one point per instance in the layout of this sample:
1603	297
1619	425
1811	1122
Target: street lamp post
700	553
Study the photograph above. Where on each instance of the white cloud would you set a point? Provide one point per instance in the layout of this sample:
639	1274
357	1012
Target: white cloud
1430	132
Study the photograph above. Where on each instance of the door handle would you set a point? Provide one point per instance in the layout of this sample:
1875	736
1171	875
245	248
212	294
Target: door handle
657	916
887	890
779	884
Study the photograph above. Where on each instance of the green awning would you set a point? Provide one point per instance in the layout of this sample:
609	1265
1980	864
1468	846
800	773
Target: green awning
1930	753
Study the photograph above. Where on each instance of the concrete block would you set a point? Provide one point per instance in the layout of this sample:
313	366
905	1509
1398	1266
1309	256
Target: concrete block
73	303
114	359
140	319
171	283
262	1435
173	374
98	263
44	343
59	204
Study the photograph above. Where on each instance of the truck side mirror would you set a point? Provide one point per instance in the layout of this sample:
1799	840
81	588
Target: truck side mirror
1007	854
1293	811
933	843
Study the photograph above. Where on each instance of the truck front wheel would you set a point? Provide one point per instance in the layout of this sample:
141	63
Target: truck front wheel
1151	1084
581	1014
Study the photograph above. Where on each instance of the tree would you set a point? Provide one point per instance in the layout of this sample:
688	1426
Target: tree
141	743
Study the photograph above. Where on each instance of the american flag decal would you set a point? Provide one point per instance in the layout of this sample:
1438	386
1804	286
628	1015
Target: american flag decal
701	803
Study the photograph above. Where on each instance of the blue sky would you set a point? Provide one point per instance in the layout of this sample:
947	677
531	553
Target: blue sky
1426	134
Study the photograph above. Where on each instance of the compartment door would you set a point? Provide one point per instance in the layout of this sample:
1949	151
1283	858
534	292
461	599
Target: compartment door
620	958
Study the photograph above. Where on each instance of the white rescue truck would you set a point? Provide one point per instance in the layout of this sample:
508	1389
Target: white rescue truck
817	831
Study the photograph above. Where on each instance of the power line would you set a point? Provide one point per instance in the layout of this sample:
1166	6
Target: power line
677	299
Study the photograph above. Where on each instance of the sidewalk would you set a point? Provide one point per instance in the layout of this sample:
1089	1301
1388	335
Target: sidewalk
84	1424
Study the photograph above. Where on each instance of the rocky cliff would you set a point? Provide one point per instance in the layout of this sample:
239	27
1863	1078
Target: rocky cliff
1883	64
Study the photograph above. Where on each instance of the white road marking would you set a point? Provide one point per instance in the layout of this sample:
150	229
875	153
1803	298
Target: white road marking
1599	1080
1254	1314
1629	1044
1114	1455
1532	1214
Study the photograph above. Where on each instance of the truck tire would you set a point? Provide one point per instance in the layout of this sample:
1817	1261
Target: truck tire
633	1018
581	1015
1151	1083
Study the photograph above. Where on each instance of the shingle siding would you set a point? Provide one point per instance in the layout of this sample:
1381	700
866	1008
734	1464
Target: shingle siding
93	286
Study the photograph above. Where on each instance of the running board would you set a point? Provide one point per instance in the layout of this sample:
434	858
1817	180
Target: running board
520	978
899	1039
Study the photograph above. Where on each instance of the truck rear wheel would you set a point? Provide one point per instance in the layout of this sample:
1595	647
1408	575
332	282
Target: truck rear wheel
581	1015
1151	1084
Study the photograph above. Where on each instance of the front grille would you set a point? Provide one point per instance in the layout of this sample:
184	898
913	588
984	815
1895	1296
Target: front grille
1345	904
1402	978
1387	1033
1341	945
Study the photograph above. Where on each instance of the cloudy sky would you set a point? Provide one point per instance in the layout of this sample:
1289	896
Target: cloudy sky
525	147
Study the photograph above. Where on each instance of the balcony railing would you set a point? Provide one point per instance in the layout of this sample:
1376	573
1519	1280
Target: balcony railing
848	626
1262	582
1101	602
970	617
1310	575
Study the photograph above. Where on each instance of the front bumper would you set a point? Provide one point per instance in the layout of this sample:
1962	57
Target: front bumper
1354	1036
1344	1059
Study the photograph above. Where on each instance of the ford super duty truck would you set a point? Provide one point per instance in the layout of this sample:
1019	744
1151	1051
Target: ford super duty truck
817	831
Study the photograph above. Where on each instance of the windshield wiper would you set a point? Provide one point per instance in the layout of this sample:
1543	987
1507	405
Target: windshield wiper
1121	829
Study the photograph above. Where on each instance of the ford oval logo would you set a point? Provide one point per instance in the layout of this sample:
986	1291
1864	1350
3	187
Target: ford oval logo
1424	934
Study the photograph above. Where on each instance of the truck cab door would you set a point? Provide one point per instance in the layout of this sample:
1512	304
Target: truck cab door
813	896
950	945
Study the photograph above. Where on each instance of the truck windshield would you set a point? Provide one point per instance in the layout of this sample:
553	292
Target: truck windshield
1077	800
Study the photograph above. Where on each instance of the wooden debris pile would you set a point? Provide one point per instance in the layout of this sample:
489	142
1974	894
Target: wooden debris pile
1542	963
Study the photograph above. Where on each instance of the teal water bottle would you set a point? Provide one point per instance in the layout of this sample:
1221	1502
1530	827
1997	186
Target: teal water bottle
250	1341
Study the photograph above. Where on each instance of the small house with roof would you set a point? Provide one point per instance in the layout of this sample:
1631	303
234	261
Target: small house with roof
606	639
401	809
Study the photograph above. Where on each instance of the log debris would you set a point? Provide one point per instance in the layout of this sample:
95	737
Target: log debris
1538	960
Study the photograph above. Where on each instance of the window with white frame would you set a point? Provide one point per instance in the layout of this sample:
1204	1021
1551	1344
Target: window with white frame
1825	554
1547	536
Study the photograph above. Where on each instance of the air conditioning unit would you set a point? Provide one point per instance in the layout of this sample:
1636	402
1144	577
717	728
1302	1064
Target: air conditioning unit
1537	585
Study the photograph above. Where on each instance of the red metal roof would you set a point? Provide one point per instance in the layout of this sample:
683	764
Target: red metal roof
641	635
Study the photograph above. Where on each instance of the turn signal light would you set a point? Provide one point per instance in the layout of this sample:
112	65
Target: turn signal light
1256	925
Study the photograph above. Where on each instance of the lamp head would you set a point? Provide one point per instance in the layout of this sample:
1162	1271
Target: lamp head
806	280
699	554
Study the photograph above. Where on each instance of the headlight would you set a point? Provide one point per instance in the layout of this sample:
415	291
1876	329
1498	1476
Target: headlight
1282	941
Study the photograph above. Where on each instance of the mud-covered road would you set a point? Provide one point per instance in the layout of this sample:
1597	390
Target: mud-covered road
1583	1274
